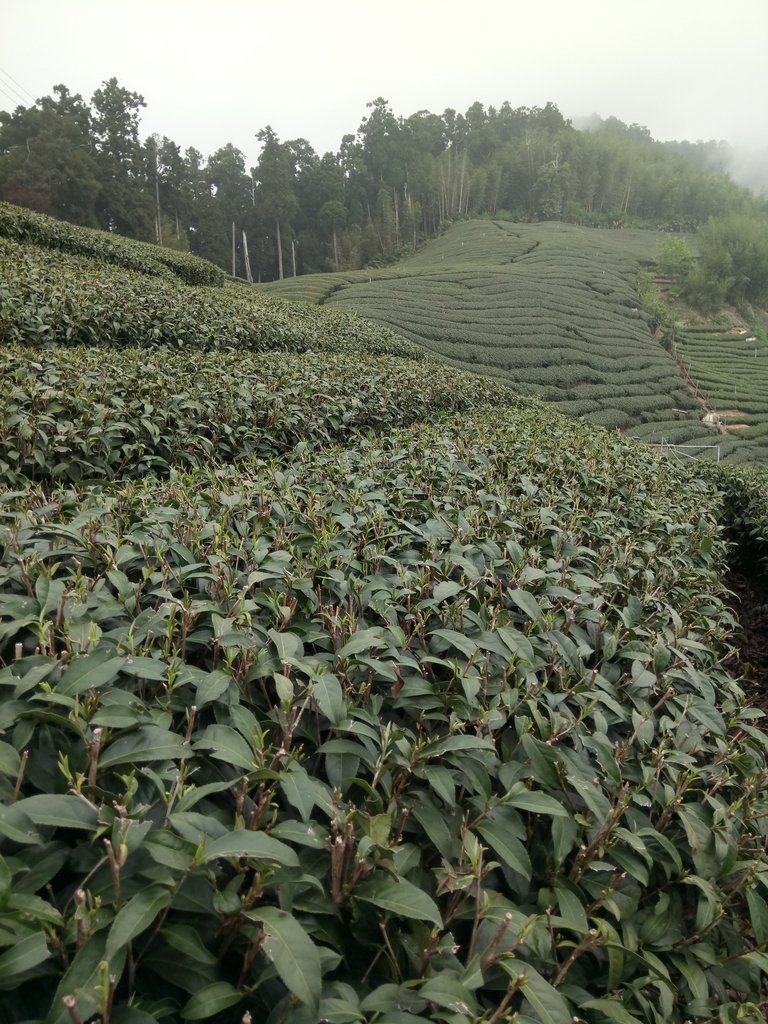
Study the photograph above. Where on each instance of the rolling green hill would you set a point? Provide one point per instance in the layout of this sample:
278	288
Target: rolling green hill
551	309
340	684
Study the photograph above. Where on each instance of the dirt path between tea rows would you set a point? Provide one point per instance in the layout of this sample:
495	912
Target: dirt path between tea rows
750	605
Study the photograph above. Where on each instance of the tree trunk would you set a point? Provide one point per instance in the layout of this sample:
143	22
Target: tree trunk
248	274
279	250
628	193
157	200
461	181
335	250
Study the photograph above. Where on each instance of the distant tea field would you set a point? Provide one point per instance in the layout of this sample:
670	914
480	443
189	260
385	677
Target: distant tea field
550	309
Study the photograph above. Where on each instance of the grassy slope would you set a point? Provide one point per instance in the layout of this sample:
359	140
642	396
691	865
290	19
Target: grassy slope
549	308
335	672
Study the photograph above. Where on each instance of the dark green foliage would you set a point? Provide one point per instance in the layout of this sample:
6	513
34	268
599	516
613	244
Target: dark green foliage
746	522
390	185
50	297
66	416
734	262
315	724
458	691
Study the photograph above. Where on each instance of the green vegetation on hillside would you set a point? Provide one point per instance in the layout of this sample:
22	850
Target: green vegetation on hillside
730	366
734	261
63	417
48	296
342	685
720	349
554	311
404	689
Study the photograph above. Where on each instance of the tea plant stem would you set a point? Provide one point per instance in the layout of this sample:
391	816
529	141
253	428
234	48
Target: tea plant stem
590	940
390	952
514	987
20	776
70	1004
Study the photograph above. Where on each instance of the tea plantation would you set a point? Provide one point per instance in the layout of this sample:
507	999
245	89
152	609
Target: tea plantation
338	684
551	309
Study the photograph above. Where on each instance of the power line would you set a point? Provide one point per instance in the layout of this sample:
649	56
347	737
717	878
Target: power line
13	99
16	83
17	92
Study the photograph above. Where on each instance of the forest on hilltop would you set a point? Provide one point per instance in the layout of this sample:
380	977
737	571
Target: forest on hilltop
392	183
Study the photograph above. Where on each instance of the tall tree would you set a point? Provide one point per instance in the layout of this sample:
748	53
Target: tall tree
276	177
124	203
46	157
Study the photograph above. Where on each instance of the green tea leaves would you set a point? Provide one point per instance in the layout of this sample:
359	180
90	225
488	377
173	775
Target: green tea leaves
293	953
399	897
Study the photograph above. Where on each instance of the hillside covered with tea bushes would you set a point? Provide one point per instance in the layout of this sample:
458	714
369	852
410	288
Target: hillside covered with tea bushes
338	684
553	310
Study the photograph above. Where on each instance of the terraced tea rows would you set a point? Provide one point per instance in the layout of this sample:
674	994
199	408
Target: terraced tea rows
731	368
727	370
550	309
63	418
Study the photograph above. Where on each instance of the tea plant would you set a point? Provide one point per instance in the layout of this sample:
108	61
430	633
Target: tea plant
340	685
431	727
23	225
51	298
65	415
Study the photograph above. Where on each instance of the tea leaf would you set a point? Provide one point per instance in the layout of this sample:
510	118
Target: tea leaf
137	915
293	953
254	845
400	897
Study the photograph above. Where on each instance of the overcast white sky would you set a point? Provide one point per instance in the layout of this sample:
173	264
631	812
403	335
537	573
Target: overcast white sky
217	72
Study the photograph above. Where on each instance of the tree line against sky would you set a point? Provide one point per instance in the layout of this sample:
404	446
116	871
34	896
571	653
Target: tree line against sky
392	183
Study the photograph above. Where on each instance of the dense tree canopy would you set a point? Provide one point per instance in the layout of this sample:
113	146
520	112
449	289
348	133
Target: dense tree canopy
392	183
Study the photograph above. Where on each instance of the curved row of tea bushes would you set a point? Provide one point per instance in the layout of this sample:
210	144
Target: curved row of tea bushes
53	298
23	225
732	372
552	310
67	414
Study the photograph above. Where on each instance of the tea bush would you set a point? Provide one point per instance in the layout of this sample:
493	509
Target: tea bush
47	297
311	715
431	727
746	518
23	225
66	414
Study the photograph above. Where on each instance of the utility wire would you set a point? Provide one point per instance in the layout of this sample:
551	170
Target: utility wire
8	75
17	94
13	99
